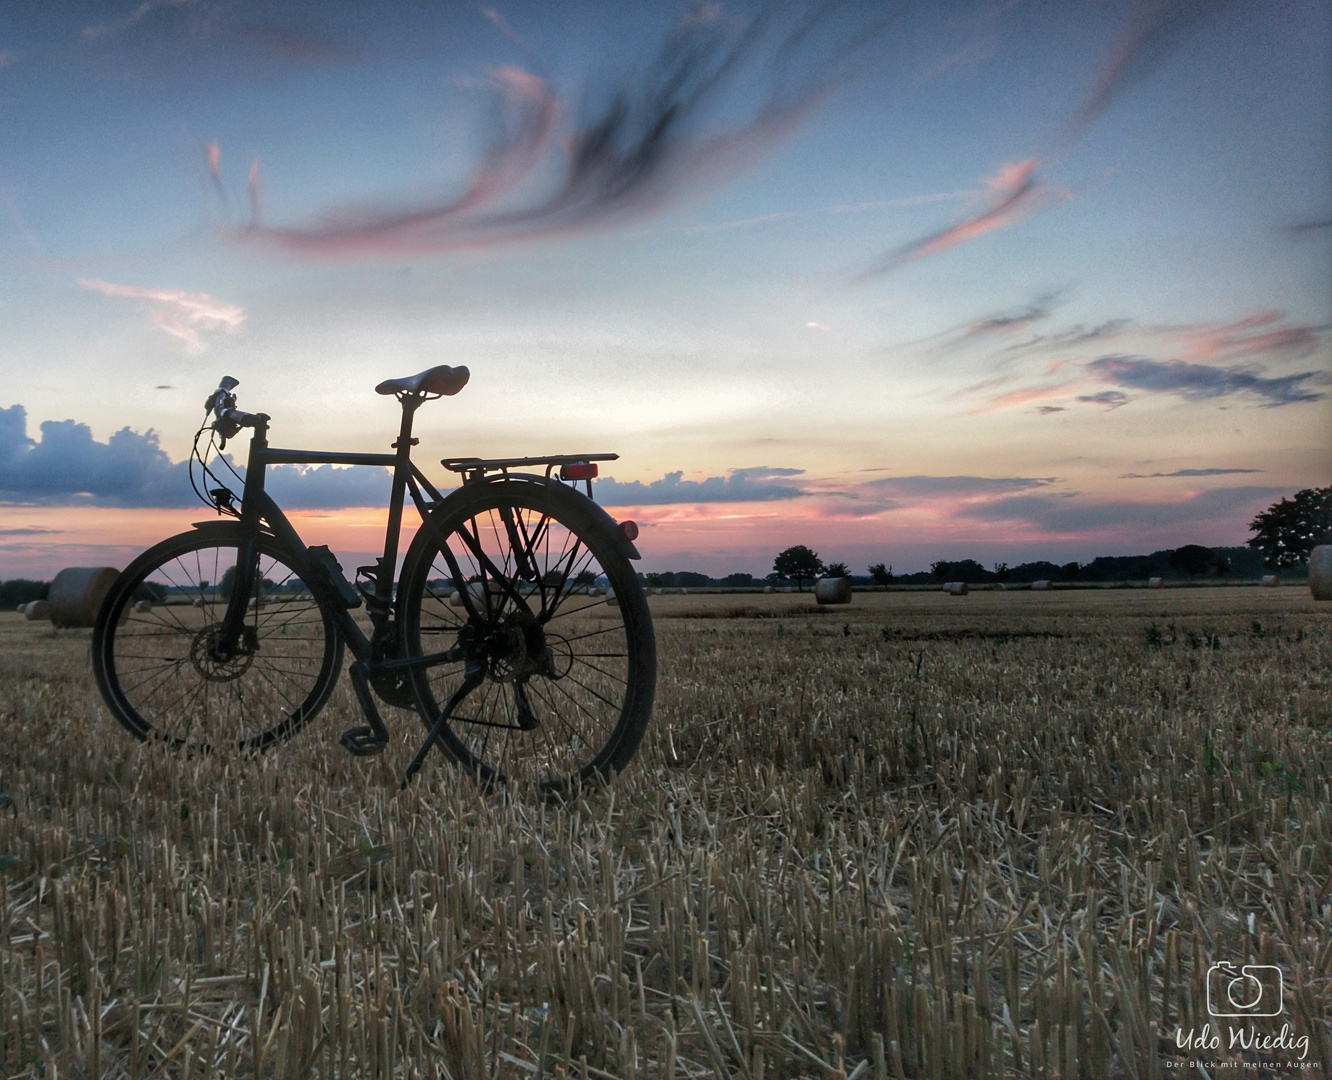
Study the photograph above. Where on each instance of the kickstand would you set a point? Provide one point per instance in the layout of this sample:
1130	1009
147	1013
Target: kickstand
476	674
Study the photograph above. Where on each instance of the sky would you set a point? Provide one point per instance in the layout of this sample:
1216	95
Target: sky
1005	280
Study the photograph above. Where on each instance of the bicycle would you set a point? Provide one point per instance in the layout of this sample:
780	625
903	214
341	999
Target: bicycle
517	627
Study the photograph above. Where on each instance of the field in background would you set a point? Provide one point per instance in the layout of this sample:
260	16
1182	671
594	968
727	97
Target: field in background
922	835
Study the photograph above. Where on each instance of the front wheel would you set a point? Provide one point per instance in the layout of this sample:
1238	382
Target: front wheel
155	654
553	665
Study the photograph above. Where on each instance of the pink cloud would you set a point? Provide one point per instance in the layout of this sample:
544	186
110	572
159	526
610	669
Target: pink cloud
646	143
1256	335
1013	399
528	117
182	315
1016	194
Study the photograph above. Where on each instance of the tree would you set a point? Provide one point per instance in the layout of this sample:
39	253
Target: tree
1192	559
881	574
738	579
836	569
1288	530
968	570
798	562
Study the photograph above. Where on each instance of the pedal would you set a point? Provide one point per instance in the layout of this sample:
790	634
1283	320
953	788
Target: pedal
346	592
371	739
364	741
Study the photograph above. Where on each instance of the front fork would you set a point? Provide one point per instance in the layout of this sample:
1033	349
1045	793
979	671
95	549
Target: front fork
230	638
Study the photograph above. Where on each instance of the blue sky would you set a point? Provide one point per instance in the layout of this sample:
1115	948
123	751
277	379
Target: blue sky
995	280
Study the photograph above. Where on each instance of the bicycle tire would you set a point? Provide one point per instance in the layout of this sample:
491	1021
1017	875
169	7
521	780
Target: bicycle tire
569	677
150	645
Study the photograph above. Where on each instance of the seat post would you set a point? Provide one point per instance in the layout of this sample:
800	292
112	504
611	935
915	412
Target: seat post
401	469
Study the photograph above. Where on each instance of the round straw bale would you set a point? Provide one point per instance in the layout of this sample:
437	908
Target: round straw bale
1155	583
833	590
77	593
955	588
1044	583
35	610
1271	581
1320	572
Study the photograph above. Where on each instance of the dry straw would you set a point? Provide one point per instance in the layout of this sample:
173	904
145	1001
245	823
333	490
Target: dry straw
906	839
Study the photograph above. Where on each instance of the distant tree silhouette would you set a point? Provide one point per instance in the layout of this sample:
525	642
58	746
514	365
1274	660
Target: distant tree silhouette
968	570
880	574
1192	559
836	569
798	562
1288	530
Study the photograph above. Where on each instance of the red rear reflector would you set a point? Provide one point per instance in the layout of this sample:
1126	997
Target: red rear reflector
629	530
581	470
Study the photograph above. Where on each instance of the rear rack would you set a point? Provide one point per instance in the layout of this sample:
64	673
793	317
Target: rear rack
476	468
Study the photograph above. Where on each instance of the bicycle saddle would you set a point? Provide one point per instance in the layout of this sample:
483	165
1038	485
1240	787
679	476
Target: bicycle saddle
443	380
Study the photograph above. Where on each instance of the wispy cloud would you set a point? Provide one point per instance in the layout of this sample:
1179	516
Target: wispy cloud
957	486
1186	472
1201	382
1015	193
1257	335
1060	514
182	315
759	484
647	143
1151	33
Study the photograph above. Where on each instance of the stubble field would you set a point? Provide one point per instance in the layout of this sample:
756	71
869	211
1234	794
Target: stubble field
1002	834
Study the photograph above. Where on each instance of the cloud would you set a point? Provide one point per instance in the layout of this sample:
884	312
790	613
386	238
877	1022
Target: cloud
639	147
956	486
32	530
1186	472
1015	193
1256	335
1152	32
761	484
69	467
1046	410
182	315
1112	399
1201	382
1009	322
1023	395
1066	514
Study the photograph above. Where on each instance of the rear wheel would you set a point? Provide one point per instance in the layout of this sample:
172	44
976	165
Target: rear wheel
557	646
155	654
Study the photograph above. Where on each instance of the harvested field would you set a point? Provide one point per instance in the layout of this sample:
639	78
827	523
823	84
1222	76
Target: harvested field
922	835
